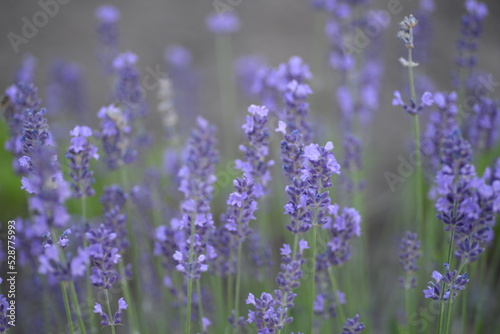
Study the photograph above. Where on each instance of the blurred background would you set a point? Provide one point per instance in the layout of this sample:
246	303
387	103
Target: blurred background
272	29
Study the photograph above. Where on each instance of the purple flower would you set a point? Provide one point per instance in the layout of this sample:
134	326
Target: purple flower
306	192
48	189
484	124
343	225
65	93
104	254
353	326
116	137
470	33
223	23
408	256
442	122
255	165
107	30
412	108
26	73
446	286
271	312
79	154
197	176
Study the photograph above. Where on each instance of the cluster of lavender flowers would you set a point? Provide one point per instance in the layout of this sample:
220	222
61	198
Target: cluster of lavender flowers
271	311
196	183
308	202
408	256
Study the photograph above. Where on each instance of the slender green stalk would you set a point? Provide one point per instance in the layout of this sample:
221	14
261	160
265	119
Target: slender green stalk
464	311
441	310
418	153
340	308
228	94
188	312
112	325
216	283
237	293
67	308
132	314
408	303
90	303
76	305
136	323
313	278
200	303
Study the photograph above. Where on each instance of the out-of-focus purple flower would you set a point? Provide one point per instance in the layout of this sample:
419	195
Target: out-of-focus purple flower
116	137
107	30
408	256
113	201
484	124
128	89
197	176
4	307
26	73
247	69
351	163
271	312
48	188
18	99
185	82
104	253
470	33
446	286
442	122
343	225
79	154
223	23
353	326
413	108
254	165
50	262
65	91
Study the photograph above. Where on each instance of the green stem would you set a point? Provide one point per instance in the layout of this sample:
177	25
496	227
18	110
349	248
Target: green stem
188	313
200	303
237	293
313	278
135	325
418	154
408	309
67	308
90	303
76	305
441	310
228	94
112	325
340	308
464	311
128	297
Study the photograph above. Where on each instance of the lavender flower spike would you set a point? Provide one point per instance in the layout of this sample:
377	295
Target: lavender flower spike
254	166
412	108
107	30
410	252
79	154
451	281
116	137
196	182
353	326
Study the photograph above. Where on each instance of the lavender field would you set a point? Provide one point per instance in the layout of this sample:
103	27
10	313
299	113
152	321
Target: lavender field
241	166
